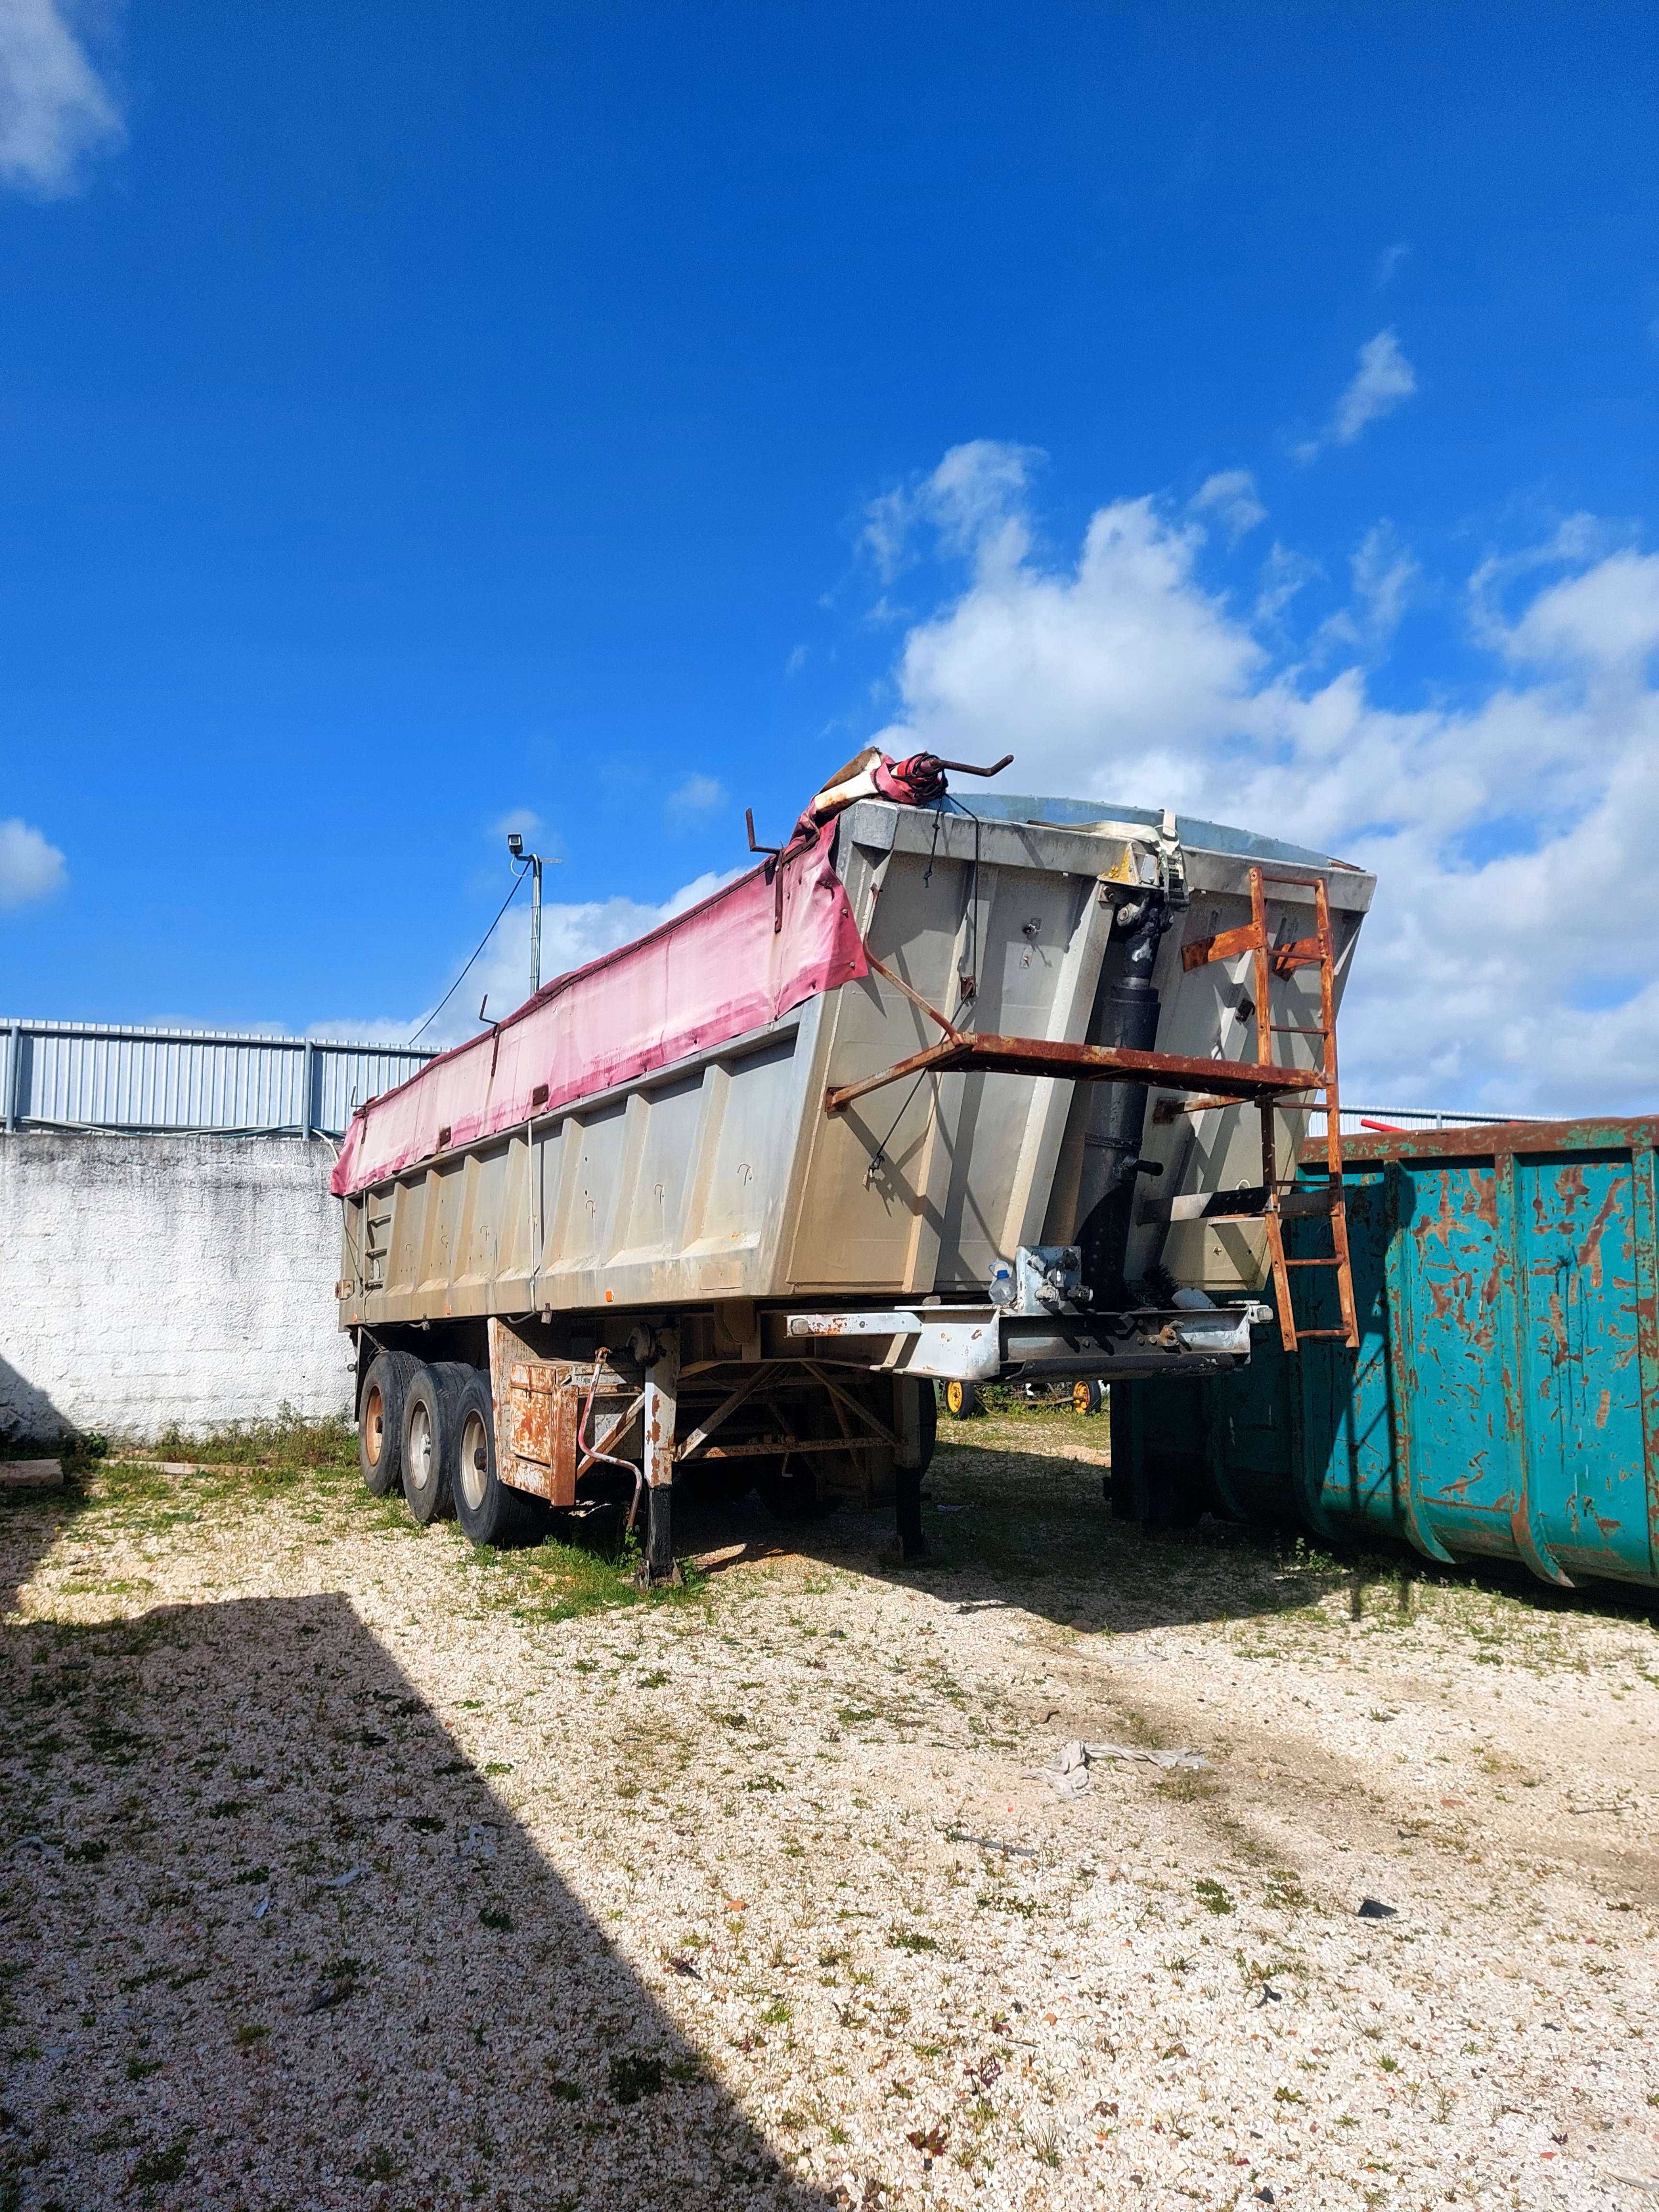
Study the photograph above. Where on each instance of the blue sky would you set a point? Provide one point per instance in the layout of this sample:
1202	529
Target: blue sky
413	419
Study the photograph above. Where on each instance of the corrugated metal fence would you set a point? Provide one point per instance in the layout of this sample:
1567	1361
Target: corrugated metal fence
1362	1121
87	1075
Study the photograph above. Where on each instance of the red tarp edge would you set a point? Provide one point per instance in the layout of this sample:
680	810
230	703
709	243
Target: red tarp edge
711	974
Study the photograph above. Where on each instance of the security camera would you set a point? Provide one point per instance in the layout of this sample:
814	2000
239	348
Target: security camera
515	844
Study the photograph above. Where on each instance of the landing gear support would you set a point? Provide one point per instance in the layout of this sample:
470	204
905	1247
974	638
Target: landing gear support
662	1380
910	1458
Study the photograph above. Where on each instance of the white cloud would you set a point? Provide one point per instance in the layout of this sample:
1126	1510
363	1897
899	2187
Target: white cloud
55	109
1385	581
975	495
1387	264
694	801
30	868
1284	574
1607	619
1384	381
1046	663
518	821
1512	958
796	662
1231	497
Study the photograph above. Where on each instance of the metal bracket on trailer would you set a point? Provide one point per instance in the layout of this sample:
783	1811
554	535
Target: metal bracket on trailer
976	1343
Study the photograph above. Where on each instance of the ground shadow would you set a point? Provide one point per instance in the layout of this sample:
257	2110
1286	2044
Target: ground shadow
270	1942
1036	1529
29	1421
31	1521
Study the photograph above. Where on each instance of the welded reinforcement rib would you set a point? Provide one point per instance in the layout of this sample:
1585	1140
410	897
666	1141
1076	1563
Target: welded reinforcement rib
1083	1063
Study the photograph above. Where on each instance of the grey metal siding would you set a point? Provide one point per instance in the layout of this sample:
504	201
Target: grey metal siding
92	1075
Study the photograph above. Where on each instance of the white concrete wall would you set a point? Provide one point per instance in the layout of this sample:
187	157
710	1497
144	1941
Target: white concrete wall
146	1281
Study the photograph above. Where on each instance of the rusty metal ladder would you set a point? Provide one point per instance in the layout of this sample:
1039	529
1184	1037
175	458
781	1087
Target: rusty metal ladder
1285	960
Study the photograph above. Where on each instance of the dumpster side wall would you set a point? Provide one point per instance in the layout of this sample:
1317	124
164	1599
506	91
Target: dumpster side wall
1504	1399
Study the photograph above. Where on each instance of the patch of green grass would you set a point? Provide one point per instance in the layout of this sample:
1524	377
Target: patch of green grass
152	2168
634	2074
311	1467
1212	1896
909	1939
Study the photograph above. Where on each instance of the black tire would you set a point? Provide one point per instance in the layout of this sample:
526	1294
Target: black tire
1088	1394
431	1438
961	1401
380	1420
488	1512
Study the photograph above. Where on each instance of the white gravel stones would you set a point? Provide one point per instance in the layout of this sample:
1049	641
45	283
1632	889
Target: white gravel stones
758	1899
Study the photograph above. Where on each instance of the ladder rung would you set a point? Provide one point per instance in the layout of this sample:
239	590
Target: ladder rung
1333	1262
1306	1335
1294	1029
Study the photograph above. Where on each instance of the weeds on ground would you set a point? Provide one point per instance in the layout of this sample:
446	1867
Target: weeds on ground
311	1467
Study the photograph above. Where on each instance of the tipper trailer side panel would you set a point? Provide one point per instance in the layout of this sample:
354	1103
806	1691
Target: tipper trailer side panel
723	1177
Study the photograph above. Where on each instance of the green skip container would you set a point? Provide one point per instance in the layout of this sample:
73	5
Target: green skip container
1504	1403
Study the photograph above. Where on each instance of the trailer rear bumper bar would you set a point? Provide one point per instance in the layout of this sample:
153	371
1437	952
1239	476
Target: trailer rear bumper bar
986	1343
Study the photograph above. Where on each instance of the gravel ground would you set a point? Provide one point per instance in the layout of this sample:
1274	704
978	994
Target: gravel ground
341	1869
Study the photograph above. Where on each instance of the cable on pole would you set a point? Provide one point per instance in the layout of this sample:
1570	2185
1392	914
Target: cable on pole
482	941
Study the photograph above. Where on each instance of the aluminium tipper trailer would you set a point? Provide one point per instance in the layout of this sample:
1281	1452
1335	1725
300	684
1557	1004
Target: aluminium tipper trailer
932	1094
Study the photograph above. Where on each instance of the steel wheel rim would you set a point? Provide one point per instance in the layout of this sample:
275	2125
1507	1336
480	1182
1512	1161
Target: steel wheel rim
373	1428
420	1447
475	1461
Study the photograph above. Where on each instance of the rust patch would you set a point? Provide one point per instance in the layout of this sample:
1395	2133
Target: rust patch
1591	1256
1439	1225
543	1408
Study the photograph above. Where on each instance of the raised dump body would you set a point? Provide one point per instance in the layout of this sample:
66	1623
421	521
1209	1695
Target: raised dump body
936	1094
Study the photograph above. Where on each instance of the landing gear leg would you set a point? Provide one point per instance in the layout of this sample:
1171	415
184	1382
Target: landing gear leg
662	1379
908	1471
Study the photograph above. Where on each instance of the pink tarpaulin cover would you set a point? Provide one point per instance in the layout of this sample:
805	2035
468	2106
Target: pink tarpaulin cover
709	975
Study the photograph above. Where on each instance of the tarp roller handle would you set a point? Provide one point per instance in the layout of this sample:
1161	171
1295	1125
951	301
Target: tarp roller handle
967	768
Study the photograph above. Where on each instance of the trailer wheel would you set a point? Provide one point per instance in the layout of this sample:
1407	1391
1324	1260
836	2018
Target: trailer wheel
380	1420
1088	1396
431	1438
488	1510
961	1401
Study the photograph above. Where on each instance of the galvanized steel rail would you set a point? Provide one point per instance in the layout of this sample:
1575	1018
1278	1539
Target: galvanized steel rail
95	1075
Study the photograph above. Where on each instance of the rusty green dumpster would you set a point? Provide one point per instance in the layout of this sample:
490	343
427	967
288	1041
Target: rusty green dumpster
1503	1401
